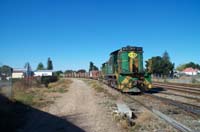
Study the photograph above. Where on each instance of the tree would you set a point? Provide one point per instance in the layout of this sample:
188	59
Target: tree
181	67
148	65
160	66
92	67
193	65
68	71
187	65
166	56
167	65
6	70
156	66
40	66
58	73
27	66
49	64
81	71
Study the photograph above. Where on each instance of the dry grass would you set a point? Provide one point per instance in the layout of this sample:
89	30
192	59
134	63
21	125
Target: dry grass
40	97
142	122
145	116
145	121
94	84
60	86
99	88
124	121
12	112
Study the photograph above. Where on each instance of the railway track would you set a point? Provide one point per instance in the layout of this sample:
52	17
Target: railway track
178	86
180	127
182	89
179	95
177	125
189	108
196	98
194	109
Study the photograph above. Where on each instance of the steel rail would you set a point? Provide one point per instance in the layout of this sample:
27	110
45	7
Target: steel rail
178	86
167	93
178	89
185	106
170	121
180	127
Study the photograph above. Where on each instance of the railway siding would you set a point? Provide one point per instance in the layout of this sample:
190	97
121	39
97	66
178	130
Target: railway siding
184	114
144	120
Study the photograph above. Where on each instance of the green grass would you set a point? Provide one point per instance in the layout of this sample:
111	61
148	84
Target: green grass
26	98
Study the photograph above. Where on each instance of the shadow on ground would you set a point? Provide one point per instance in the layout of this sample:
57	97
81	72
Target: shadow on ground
17	117
156	90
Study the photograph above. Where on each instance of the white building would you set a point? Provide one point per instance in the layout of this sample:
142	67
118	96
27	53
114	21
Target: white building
190	71
18	73
40	73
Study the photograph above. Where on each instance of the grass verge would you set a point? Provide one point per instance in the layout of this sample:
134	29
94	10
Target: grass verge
99	88
40	97
13	112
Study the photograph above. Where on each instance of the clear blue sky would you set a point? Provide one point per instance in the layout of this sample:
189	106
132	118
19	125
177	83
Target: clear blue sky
74	32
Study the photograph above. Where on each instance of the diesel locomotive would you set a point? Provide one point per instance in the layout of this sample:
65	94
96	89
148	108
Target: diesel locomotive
124	70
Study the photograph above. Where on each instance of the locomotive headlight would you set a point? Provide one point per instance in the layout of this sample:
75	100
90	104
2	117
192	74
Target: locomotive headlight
149	86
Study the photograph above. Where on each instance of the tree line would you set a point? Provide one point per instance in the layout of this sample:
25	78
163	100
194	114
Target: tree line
187	65
7	70
49	65
160	66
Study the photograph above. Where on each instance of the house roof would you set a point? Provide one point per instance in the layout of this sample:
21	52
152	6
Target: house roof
17	70
190	69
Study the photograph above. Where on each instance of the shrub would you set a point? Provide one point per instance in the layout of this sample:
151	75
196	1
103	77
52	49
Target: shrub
193	80
48	79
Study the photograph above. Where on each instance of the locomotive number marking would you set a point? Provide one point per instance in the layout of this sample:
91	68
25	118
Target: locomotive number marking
132	55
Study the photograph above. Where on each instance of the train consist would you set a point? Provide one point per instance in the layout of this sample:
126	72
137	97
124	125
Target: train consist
124	70
93	74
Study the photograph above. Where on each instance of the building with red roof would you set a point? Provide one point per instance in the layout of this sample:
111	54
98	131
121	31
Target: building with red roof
190	71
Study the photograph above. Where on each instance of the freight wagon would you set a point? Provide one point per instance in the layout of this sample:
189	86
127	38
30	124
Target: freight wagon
94	74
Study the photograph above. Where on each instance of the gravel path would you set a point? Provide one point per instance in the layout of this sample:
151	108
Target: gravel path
77	110
80	106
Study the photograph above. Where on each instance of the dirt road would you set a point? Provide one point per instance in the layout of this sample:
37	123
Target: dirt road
77	110
80	106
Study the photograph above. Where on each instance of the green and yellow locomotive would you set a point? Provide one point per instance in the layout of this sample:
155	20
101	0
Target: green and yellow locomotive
124	70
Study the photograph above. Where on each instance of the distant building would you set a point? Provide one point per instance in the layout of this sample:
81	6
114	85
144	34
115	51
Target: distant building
190	71
40	73
18	73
